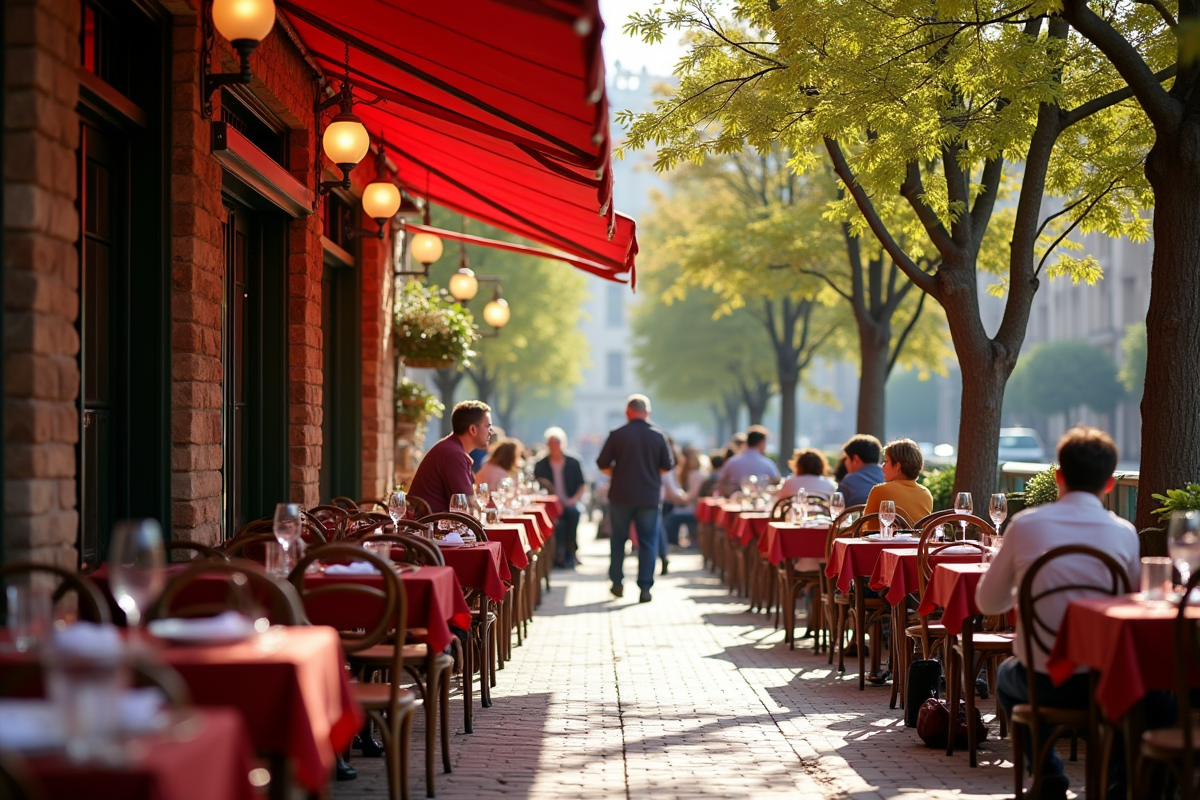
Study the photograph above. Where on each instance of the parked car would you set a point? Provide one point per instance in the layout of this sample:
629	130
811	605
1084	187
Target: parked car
1021	444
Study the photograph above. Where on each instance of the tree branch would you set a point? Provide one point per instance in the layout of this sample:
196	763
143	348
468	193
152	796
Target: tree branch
1162	11
913	190
830	283
958	192
867	209
1074	224
1165	112
985	201
904	335
1096	104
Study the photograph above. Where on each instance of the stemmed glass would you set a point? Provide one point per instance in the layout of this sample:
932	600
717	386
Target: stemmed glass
397	508
837	504
287	529
137	566
481	499
752	481
887	515
1183	542
800	505
998	511
962	505
459	505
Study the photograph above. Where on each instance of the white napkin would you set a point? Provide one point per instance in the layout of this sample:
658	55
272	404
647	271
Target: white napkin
229	624
89	639
356	568
453	537
142	709
958	550
30	725
903	537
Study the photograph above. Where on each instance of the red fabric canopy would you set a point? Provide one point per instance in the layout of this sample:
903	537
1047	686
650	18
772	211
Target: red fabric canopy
492	108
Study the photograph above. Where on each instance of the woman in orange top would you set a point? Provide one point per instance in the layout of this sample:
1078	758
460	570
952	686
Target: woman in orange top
902	462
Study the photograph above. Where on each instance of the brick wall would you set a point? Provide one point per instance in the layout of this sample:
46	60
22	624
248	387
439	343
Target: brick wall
41	345
378	368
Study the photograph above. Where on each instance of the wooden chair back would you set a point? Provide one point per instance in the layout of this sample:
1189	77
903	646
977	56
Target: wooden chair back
90	604
371	504
1107	577
836	526
310	531
782	507
250	546
468	522
925	520
415	550
345	503
410	526
858	529
417	507
329	517
199	551
928	546
246	586
388	597
361	524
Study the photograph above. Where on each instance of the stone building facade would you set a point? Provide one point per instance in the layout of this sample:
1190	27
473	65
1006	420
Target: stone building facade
192	331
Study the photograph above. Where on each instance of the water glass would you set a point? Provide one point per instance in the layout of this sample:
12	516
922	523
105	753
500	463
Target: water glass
287	525
1156	577
276	561
998	509
381	549
887	515
491	515
137	566
85	686
837	504
30	615
800	505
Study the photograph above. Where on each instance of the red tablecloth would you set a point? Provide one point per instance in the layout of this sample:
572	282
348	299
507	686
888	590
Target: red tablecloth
545	525
783	540
855	558
514	540
1131	645
532	528
724	512
480	566
952	586
706	508
552	505
896	571
435	602
207	755
748	525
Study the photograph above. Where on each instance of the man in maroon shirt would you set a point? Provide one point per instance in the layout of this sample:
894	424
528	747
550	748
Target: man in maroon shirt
445	470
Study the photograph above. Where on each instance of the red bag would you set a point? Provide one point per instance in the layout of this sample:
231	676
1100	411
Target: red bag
933	724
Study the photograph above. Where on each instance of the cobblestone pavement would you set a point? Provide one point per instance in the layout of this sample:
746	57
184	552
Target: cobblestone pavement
689	696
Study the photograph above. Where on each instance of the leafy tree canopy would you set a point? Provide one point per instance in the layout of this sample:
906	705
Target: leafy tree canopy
1056	377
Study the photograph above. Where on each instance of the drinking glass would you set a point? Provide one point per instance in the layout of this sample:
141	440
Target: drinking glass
1156	578
887	515
962	505
30	614
397	507
481	499
1183	542
800	505
137	566
458	504
491	515
287	529
837	504
998	509
274	560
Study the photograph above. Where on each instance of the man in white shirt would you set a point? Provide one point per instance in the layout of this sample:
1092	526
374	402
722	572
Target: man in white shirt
751	461
1087	458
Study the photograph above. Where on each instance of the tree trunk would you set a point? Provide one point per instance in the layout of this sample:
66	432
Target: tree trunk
874	343
733	408
447	381
984	375
789	381
718	421
506	407
756	396
1170	401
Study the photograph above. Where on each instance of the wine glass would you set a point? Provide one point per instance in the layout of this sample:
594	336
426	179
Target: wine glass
837	504
800	505
887	515
1183	542
287	528
137	566
998	509
962	505
397	507
458	503
481	499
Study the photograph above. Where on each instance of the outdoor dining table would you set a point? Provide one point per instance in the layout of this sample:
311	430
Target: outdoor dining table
481	566
788	540
516	609
706	508
747	525
1130	644
551	504
202	754
895	572
513	538
952	588
533	528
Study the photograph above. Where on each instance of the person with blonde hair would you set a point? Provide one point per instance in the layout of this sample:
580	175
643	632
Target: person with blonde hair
562	473
902	462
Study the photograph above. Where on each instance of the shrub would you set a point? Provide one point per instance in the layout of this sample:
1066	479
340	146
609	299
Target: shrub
1185	499
940	483
1041	488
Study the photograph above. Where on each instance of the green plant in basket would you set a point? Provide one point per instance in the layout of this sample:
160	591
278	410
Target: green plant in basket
1185	499
432	332
1041	488
415	403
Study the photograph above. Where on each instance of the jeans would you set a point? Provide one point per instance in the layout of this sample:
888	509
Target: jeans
566	531
646	520
679	518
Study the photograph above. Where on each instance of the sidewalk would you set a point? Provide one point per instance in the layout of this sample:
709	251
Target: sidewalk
688	696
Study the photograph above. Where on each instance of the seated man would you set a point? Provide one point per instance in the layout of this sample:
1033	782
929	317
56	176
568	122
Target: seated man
1087	458
751	461
902	462
861	460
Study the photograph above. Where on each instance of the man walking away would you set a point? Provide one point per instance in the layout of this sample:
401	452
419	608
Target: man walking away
636	455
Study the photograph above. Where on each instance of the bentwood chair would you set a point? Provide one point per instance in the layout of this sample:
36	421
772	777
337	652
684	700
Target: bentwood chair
345	503
418	507
1176	748
386	703
362	524
371	504
90	604
245	586
833	599
870	610
330	518
199	551
1038	725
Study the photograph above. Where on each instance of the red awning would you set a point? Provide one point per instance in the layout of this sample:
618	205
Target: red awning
492	108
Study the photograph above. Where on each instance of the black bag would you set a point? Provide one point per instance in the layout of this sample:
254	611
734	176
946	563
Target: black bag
924	675
933	724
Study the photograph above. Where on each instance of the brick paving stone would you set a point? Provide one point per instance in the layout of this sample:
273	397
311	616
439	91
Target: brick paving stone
688	696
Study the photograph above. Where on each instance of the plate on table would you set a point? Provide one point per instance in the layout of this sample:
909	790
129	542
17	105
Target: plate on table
227	628
899	537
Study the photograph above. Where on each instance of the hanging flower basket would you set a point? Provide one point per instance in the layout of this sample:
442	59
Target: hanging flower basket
415	404
432	332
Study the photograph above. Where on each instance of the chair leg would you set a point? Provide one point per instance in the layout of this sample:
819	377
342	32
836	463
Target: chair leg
446	721
468	682
843	620
951	693
1016	733
431	730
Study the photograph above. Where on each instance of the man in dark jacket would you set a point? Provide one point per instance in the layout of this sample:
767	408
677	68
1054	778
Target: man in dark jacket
636	455
562	473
